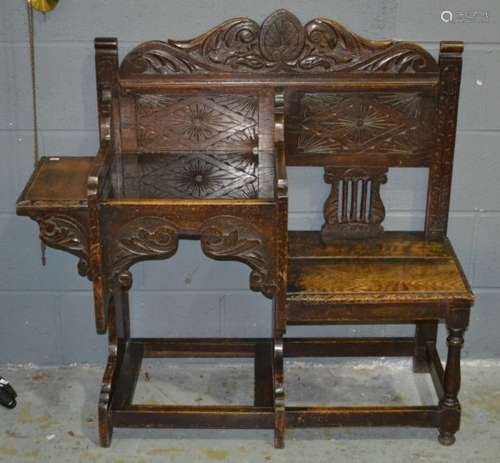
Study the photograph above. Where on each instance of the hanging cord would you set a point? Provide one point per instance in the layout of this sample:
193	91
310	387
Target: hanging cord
31	29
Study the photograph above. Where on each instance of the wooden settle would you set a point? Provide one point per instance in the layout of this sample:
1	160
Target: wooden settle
195	137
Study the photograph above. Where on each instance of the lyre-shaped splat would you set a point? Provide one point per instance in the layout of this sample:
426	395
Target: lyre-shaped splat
354	208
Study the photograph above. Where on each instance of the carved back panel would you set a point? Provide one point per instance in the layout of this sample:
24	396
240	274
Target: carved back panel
357	135
352	105
164	121
362	125
362	128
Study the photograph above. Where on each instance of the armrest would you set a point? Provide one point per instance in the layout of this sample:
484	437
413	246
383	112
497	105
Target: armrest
279	157
98	172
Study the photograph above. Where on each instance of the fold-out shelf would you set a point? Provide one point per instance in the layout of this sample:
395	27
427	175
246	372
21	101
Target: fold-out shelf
57	182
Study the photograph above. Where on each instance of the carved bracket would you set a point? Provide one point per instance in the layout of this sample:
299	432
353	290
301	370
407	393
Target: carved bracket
68	234
281	44
231	238
141	239
222	237
354	208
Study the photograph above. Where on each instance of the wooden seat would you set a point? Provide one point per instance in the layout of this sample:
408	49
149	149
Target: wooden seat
397	267
353	270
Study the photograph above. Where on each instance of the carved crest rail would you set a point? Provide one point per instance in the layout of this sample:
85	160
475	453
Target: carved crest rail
281	44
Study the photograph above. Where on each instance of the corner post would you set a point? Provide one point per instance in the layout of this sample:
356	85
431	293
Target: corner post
279	303
106	62
438	196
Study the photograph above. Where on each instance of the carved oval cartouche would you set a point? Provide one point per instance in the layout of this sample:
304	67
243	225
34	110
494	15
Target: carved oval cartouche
281	37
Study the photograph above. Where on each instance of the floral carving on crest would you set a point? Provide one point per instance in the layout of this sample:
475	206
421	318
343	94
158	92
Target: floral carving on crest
281	44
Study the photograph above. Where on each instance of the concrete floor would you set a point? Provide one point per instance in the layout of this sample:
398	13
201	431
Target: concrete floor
55	419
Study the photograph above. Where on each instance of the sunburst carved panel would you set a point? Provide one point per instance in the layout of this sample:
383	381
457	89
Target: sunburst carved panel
384	123
195	176
217	122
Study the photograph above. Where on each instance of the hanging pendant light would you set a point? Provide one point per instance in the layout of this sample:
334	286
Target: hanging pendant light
43	5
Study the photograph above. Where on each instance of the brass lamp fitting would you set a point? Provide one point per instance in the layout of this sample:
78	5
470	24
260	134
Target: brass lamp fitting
43	5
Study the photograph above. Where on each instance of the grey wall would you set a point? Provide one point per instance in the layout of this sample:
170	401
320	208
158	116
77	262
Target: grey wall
46	314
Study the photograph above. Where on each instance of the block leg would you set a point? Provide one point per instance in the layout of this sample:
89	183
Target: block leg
279	394
118	336
425	333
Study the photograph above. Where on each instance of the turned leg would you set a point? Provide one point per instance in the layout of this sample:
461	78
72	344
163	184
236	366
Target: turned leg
425	333
450	407
279	395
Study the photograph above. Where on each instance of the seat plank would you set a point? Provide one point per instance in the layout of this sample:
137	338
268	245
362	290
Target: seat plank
399	265
384	275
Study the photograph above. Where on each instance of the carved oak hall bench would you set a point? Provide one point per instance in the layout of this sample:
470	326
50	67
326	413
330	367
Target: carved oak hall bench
194	141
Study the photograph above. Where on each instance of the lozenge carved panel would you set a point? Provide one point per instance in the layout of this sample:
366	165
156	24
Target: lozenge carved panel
203	175
197	122
365	123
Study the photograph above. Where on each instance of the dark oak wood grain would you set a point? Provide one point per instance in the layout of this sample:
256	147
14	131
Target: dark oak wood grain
194	141
352	271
